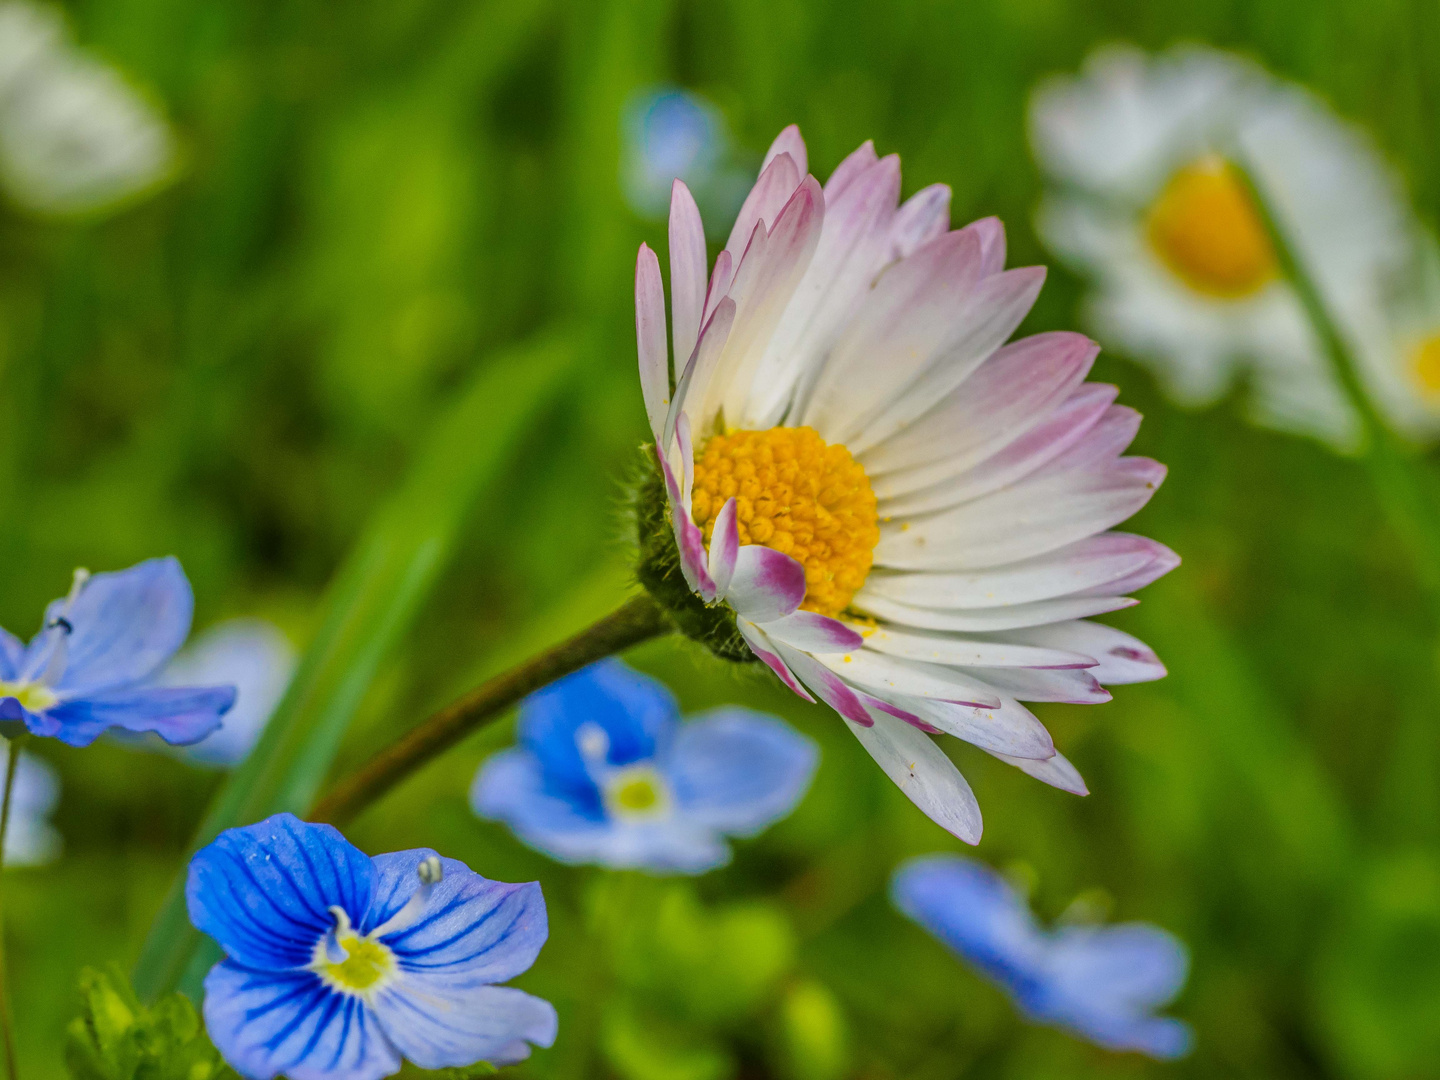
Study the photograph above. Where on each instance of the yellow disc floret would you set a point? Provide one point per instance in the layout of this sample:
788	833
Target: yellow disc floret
1206	229
1425	363
799	495
366	962
33	696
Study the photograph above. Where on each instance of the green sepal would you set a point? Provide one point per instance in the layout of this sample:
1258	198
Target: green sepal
115	1037
657	567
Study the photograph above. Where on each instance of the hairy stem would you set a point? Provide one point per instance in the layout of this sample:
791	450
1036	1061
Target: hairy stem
637	621
7	1024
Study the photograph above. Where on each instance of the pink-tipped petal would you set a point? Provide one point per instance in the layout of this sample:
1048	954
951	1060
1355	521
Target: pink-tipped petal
989	620
720	279
815	633
1076	686
777	182
689	541
687	273
789	142
1055	771
848	170
920	219
974	652
766	585
769	654
992	243
1121	657
650	338
724	547
695	381
832	689
924	774
1164	561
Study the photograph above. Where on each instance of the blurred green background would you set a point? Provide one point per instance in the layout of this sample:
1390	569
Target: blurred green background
381	201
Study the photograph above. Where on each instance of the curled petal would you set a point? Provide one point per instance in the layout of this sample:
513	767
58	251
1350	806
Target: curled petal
767	585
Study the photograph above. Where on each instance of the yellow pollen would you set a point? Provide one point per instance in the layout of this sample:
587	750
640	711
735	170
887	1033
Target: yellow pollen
798	495
637	795
367	963
1425	363
35	697
1206	229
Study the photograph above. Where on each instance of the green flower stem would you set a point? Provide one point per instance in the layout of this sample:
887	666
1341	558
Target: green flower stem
638	620
1397	483
7	1024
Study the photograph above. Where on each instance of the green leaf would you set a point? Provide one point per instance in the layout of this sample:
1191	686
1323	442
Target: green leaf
368	608
117	1038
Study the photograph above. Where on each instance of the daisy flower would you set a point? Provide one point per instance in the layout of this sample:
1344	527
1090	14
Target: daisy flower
338	965
1102	983
91	666
74	135
606	773
861	484
1146	200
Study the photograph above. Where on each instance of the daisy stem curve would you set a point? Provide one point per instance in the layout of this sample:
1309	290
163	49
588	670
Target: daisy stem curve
7	1024
638	620
1392	470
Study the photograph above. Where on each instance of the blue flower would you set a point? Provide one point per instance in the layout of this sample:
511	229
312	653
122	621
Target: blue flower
338	965
1100	982
87	668
670	134
258	660
605	773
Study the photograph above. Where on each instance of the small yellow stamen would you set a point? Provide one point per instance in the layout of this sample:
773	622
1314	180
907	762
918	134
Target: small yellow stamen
36	697
637	795
1425	364
798	495
366	964
1206	229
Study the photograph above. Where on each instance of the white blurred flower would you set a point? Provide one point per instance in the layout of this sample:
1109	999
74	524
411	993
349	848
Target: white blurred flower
30	839
253	656
74	135
1145	201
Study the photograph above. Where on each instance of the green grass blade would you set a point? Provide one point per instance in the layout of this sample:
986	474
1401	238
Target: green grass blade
369	606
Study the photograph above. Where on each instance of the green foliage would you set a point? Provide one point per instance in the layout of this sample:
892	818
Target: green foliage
115	1037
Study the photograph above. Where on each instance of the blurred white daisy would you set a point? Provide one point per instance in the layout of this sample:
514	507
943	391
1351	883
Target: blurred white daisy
30	839
1146	201
253	656
75	137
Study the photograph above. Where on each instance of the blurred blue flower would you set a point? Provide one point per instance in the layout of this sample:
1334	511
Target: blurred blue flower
338	965
670	134
88	668
253	656
1100	982
605	773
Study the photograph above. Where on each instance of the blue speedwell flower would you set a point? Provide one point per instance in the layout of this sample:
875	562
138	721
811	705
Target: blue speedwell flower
88	668
605	773
1100	982
338	965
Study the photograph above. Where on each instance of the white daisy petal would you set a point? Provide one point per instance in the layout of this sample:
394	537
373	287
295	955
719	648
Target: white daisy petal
1055	771
969	651
687	274
987	620
650	337
788	142
924	774
766	584
1121	657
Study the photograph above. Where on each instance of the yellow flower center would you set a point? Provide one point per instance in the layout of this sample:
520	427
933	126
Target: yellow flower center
366	963
33	696
1425	364
1206	229
636	795
799	495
